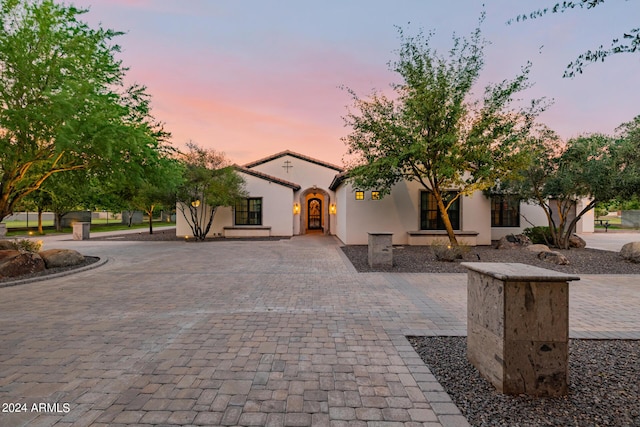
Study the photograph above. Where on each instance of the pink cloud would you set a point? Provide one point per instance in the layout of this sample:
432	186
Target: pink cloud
224	102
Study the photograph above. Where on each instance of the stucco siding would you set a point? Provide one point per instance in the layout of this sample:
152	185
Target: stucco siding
277	206
302	172
399	213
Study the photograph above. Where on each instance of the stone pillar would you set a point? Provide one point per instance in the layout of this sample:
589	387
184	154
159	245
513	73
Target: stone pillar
518	327
3	229
81	230
380	250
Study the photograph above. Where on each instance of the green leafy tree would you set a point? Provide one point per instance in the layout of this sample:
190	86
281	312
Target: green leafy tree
627	42
627	184
63	105
594	167
63	193
159	187
209	183
36	202
433	131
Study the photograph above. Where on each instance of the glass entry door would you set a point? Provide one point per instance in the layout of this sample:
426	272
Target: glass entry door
314	214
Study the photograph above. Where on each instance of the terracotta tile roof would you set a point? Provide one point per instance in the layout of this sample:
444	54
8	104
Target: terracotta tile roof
337	180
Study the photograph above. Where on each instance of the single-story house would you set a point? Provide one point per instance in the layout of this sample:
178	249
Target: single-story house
292	194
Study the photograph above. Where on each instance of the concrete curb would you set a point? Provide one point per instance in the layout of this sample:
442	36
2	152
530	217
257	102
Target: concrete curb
96	264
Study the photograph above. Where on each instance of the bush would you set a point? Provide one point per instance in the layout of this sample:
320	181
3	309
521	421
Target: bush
538	235
26	245
444	251
601	212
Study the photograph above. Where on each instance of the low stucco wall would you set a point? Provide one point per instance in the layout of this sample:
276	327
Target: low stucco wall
630	218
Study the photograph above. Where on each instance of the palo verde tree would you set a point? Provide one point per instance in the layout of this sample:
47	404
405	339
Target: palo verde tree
63	104
208	183
627	42
433	131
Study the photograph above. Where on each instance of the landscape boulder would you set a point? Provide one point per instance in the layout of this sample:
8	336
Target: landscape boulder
16	263
538	248
554	257
576	241
631	252
6	244
512	241
61	258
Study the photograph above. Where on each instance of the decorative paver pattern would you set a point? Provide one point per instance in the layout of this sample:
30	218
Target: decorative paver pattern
244	333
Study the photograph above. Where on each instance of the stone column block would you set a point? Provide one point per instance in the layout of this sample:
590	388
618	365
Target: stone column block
81	230
380	250
518	327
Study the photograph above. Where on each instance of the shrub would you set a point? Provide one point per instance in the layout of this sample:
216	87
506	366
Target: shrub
444	251
538	235
600	212
27	245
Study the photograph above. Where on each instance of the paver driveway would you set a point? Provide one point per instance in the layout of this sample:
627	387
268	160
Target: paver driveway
241	333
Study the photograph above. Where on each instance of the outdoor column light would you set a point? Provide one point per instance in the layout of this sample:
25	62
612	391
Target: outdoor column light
296	208
332	208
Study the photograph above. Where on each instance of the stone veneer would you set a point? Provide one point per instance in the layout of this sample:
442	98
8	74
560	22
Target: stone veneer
380	249
81	230
518	327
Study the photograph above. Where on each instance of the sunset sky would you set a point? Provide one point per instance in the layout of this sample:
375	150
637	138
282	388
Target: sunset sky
255	77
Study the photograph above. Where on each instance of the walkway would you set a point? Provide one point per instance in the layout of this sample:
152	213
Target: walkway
246	333
613	240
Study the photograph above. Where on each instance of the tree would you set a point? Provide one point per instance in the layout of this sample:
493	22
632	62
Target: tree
594	167
209	183
159	187
628	42
63	105
627	184
433	131
63	193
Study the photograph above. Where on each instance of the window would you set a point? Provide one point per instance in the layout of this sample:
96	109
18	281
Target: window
375	195
505	211
249	211
430	218
359	195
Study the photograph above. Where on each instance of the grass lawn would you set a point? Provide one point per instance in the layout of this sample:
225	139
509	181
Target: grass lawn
19	228
615	223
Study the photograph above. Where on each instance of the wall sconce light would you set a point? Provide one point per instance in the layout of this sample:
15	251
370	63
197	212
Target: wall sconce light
332	208
195	203
296	208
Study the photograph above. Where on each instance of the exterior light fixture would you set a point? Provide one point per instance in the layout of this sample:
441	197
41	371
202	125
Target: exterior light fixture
296	208
332	208
195	203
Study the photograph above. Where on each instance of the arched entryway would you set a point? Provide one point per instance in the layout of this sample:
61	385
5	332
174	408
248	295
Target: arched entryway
314	215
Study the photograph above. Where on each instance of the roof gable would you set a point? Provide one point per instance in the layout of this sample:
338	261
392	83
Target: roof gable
296	155
267	177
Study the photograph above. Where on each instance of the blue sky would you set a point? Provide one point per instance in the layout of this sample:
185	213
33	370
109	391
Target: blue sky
252	78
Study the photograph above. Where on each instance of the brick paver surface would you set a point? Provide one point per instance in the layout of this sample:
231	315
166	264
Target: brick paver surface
244	333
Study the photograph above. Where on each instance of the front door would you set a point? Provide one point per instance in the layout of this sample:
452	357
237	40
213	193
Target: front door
314	214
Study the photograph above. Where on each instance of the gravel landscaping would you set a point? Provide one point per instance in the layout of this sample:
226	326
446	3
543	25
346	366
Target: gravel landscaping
604	388
420	259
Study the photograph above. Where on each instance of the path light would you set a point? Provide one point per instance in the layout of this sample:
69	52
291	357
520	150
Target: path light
296	208
332	208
